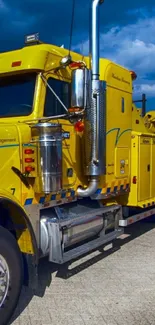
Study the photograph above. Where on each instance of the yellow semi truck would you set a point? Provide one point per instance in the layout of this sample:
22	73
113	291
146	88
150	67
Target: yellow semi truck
76	156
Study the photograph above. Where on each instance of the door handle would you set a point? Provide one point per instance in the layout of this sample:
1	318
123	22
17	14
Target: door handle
148	168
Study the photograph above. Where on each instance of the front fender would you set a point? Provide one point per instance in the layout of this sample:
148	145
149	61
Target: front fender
21	221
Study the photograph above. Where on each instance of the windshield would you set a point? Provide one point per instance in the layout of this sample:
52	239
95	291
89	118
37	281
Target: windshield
63	90
16	94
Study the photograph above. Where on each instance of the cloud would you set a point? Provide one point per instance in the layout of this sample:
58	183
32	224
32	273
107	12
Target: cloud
52	18
3	6
130	43
22	21
13	18
145	88
132	46
142	12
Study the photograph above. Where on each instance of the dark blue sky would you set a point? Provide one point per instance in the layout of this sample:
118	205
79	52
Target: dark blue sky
127	31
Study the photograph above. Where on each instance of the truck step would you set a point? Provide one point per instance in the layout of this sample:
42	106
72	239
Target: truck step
87	247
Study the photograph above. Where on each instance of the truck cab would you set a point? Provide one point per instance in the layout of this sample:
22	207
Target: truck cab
74	154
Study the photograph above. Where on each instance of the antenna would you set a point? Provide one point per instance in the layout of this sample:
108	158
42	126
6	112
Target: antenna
82	51
71	28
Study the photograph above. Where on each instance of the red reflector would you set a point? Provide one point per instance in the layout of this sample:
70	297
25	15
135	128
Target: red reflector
69	199
28	151
137	121
16	64
79	126
29	160
29	169
73	109
75	65
134	180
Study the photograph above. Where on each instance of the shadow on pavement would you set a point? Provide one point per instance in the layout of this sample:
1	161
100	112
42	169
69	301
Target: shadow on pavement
63	271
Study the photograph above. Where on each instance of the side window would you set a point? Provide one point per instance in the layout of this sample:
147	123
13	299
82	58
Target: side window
123	105
52	105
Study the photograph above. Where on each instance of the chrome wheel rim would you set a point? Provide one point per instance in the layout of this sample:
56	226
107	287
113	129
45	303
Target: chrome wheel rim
4	280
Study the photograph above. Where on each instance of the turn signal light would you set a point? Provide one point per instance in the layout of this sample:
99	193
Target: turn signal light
134	180
133	75
16	64
29	169
29	160
29	151
79	126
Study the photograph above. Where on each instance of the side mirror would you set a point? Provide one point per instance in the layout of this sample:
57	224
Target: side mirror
80	88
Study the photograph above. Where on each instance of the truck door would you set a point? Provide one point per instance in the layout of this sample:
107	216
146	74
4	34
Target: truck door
144	168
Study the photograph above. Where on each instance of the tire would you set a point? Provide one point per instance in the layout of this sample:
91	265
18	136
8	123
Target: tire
11	258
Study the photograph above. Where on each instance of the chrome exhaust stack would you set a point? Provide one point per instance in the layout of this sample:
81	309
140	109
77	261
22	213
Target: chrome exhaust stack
94	120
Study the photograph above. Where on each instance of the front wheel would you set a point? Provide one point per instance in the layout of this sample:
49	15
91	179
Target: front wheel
11	275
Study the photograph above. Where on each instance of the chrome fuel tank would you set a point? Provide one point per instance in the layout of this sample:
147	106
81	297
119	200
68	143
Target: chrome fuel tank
65	229
48	137
82	228
76	222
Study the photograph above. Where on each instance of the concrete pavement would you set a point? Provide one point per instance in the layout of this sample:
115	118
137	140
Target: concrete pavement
112	287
